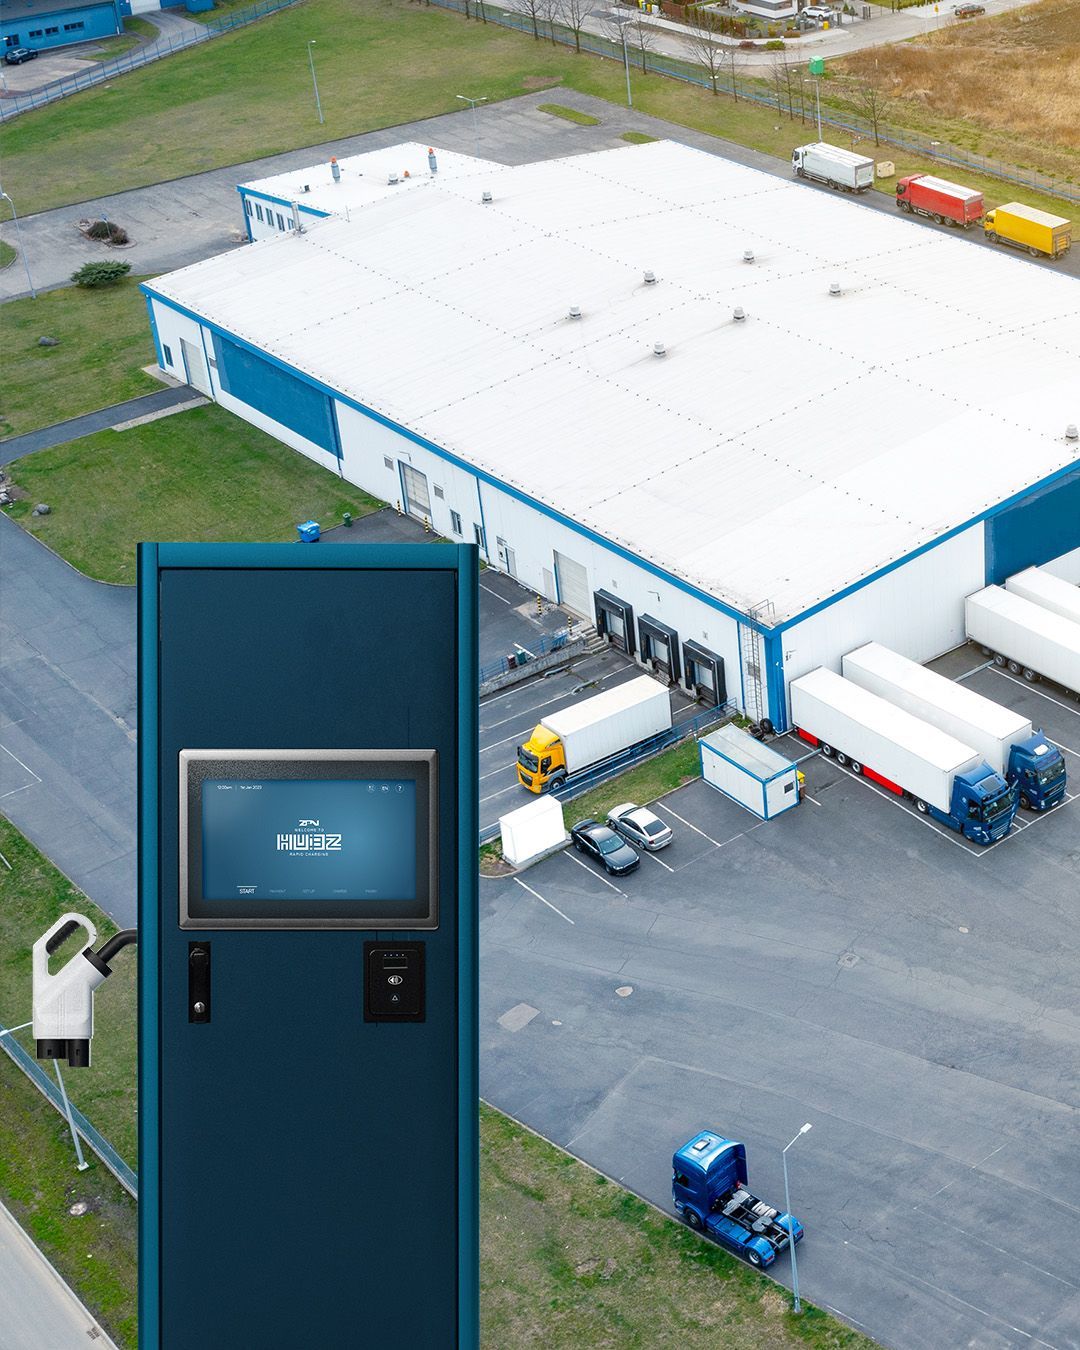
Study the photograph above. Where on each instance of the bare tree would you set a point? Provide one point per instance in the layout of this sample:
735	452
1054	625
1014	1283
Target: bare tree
574	14
644	38
551	11
733	71
872	103
702	33
534	11
776	73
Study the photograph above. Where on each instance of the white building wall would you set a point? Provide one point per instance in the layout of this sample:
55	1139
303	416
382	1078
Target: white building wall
1067	567
917	609
263	223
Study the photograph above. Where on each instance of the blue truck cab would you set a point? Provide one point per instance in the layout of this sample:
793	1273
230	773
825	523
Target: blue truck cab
709	1189
982	807
1038	770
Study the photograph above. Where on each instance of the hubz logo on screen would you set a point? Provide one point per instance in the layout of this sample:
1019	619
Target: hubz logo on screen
302	841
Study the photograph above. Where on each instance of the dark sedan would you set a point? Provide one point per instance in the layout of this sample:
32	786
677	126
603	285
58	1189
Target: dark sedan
613	853
15	56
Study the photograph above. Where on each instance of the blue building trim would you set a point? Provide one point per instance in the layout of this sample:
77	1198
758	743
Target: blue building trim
775	685
154	333
1044	525
255	195
742	678
483	524
148	975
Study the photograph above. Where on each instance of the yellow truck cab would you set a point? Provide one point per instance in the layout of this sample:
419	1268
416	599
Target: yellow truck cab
540	759
1025	227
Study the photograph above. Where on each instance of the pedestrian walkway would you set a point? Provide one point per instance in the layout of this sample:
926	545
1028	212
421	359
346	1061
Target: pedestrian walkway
103	419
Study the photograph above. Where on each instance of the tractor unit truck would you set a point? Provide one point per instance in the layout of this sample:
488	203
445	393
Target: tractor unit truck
946	779
1005	739
709	1189
948	203
829	164
583	735
1023	637
1045	589
1025	227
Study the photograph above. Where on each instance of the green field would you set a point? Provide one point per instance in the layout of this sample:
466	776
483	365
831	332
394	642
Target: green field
380	63
197	475
104	343
7	254
136	31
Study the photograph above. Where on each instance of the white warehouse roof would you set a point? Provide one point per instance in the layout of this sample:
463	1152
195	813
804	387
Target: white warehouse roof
366	178
781	458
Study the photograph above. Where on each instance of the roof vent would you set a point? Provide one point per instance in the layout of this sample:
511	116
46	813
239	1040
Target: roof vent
1071	433
307	187
486	197
739	314
658	349
335	168
650	278
391	178
834	288
575	311
748	255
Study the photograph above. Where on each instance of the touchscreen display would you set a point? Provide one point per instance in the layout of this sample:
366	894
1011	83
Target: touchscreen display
291	840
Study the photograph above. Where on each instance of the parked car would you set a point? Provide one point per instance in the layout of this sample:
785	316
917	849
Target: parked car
968	10
613	853
640	826
822	12
15	56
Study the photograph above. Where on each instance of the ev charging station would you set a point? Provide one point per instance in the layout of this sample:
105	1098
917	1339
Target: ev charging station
308	935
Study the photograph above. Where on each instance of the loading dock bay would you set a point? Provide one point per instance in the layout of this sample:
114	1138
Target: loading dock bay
844	965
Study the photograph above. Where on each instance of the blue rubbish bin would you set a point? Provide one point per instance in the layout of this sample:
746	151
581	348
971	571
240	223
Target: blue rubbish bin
308	532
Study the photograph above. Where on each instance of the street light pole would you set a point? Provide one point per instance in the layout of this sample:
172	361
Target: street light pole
314	81
18	237
472	102
622	21
791	1223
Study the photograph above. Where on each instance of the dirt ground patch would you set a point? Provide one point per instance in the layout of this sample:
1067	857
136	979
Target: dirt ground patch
1017	75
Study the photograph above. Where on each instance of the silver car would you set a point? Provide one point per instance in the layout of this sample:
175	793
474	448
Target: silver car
640	826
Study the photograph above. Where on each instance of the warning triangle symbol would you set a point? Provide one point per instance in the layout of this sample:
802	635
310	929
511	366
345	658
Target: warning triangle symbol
394	998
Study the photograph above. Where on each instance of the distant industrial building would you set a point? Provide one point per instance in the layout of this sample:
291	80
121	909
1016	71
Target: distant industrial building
40	24
741	425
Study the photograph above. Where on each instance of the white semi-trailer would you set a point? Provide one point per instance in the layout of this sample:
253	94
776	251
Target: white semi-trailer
1024	637
946	779
1005	739
830	164
1043	588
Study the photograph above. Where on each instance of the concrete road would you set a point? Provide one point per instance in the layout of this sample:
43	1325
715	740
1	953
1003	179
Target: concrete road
182	221
848	965
37	1309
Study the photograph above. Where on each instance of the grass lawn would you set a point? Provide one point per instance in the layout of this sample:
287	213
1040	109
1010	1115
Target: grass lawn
104	341
7	254
380	63
569	114
642	784
95	1252
197	475
135	32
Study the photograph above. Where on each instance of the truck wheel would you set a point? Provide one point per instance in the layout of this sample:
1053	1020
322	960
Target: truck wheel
1034	252
940	220
1024	802
692	1219
921	806
841	758
1029	675
986	651
991	236
753	1257
856	767
1014	667
827	750
999	660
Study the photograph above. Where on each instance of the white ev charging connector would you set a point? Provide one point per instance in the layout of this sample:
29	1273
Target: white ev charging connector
64	1002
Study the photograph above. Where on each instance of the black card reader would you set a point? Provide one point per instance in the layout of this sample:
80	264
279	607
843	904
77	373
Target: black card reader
394	982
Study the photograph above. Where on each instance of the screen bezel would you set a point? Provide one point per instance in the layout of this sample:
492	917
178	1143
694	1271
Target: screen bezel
416	766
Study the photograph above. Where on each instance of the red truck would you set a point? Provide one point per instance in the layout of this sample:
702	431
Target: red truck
947	203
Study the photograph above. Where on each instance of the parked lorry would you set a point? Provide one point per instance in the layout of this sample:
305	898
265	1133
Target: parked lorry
948	203
586	733
709	1189
1043	588
946	779
1025	227
829	164
1024	637
1005	739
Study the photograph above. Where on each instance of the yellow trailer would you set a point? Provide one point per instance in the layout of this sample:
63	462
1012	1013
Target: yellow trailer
1025	227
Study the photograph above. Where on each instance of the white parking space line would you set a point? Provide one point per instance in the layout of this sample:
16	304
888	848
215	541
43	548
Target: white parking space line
21	765
1026	684
715	842
658	860
807	796
529	654
496	595
501	793
973	671
539	897
594	873
914	815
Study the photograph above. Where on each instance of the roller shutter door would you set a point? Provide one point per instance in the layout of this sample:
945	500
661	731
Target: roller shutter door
573	582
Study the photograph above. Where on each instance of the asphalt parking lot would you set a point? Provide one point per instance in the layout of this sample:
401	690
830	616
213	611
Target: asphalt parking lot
845	964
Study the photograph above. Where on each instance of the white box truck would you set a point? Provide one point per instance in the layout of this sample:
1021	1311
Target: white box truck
581	736
1024	637
829	164
946	779
1005	739
1043	588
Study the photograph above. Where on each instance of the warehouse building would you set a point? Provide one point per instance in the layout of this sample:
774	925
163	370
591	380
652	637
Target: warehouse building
741	425
41	24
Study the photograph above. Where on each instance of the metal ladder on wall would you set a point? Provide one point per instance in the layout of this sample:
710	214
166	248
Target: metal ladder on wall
752	658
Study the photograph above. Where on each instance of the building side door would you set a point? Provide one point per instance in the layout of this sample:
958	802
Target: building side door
195	368
414	485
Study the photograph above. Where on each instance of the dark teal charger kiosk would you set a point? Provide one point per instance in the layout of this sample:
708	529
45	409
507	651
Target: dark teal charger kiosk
307	939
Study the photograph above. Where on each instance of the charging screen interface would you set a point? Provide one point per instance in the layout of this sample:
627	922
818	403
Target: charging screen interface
296	840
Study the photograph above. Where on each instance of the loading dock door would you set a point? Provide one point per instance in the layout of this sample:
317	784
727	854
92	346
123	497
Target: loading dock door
573	583
660	647
615	620
704	673
195	368
414	484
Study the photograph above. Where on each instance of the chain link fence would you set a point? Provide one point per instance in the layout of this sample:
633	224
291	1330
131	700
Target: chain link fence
14	104
794	103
